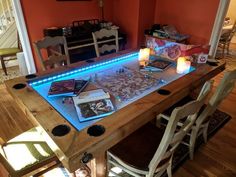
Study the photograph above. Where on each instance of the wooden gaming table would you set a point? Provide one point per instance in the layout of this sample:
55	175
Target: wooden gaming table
73	141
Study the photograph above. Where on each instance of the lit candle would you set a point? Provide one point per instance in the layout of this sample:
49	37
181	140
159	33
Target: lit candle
142	63
183	65
144	54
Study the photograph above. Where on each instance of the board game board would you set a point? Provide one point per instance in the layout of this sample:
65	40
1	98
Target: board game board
122	78
124	83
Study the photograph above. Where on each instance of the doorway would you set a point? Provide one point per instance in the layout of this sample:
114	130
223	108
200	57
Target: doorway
24	59
226	10
230	20
23	34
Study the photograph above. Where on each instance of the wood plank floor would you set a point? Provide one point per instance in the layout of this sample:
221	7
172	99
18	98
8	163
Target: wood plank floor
216	158
13	121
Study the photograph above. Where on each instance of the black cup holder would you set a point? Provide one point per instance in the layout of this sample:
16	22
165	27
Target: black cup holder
163	92
31	76
212	63
61	130
19	86
96	130
90	61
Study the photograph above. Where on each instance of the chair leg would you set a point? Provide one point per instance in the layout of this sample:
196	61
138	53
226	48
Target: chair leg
169	168
158	121
223	51
3	65
193	138
205	133
227	48
108	164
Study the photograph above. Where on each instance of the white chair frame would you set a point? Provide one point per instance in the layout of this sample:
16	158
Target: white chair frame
47	164
202	122
105	47
56	57
170	140
225	40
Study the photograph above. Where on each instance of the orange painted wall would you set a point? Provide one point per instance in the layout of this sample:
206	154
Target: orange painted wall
40	14
133	17
146	18
192	17
126	15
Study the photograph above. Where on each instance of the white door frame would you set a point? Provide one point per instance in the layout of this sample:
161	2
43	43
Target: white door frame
23	34
216	31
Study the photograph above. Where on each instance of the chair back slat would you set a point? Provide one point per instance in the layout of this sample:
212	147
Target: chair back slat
50	41
54	46
227	36
105	47
55	61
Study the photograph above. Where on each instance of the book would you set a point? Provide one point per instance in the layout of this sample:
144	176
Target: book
69	87
157	65
93	104
80	86
62	88
91	95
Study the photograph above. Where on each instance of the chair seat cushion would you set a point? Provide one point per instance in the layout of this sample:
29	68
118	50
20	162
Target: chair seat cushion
26	149
9	51
138	149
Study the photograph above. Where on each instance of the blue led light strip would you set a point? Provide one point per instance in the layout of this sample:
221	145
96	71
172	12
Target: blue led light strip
104	63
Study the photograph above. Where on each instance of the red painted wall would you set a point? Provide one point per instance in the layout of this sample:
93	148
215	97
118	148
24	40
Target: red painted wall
40	14
133	16
126	15
191	17
146	18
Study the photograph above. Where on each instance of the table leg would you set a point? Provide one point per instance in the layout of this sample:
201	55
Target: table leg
98	166
3	65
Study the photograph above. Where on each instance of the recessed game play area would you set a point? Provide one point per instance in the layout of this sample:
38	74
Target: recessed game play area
120	76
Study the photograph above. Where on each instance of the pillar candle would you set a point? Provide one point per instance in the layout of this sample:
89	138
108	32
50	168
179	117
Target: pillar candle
183	65
144	54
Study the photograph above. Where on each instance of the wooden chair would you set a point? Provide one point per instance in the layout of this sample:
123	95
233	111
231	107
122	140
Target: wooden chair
202	122
105	47
27	154
7	54
149	150
57	51
225	40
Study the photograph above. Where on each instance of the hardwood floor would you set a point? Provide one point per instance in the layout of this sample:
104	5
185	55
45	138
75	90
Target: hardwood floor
216	158
13	121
